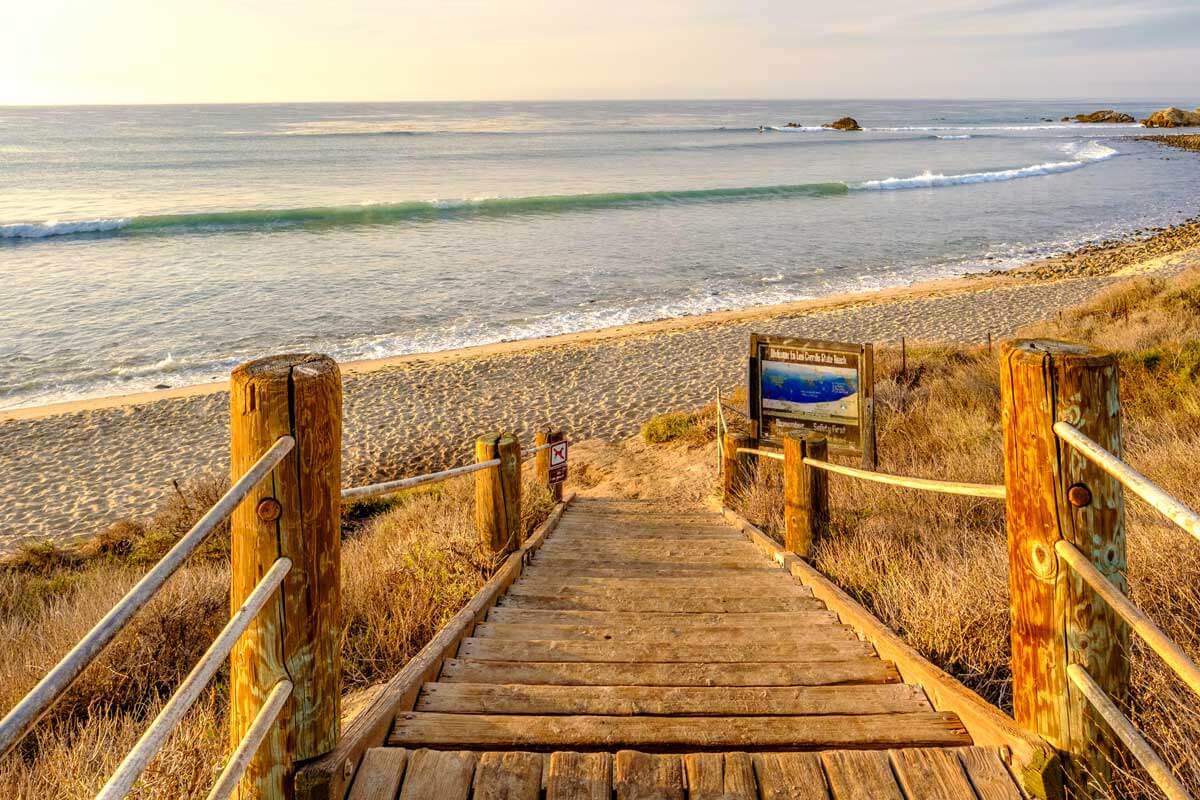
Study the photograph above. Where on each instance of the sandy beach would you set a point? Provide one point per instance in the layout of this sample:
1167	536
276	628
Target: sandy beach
66	471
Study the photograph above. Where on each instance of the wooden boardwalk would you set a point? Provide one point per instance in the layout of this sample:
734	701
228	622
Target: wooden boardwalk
649	652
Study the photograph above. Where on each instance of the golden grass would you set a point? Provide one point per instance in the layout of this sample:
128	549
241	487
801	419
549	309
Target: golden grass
934	567
410	564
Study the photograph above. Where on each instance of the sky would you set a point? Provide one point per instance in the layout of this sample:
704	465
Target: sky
169	51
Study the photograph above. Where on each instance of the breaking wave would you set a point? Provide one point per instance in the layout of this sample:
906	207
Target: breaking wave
498	207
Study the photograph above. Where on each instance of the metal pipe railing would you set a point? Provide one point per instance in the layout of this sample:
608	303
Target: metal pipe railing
1130	478
1120	725
754	451
1142	625
391	487
227	781
995	491
50	688
171	715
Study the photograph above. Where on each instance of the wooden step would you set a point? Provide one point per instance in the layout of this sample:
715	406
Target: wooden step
582	673
667	734
658	551
618	588
836	774
573	557
661	570
661	603
680	652
475	698
750	583
669	634
763	619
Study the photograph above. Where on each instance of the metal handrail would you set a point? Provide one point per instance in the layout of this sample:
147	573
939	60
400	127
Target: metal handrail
995	491
227	781
391	487
755	451
171	715
25	714
1120	725
1130	478
1142	625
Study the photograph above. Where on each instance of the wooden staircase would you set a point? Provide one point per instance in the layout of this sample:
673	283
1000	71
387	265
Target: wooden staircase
654	652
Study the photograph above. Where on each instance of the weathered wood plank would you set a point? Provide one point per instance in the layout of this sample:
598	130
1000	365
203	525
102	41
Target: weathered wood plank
818	630
641	776
475	698
508	776
929	729
661	603
654	550
661	569
720	776
614	651
988	775
816	673
790	776
860	775
931	774
724	589
439	775
579	776
572	557
681	620
380	774
746	583
583	562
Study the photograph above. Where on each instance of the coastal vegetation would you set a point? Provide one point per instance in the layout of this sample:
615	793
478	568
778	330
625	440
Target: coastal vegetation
418	545
934	568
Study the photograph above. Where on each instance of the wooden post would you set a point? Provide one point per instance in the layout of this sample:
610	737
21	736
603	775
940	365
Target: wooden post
738	468
805	493
498	494
542	461
294	513
870	454
1054	493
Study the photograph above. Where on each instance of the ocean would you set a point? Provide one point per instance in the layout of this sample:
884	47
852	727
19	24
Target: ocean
152	246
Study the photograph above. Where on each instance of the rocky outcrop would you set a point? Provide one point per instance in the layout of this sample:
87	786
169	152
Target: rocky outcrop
792	125
1107	115
844	124
1173	118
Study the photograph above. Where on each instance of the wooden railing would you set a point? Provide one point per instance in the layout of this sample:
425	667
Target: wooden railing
283	638
1071	618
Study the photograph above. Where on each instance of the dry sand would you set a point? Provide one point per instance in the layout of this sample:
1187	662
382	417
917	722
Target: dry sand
66	471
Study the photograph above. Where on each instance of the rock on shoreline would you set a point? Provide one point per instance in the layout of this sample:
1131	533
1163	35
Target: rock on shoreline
1105	116
1173	118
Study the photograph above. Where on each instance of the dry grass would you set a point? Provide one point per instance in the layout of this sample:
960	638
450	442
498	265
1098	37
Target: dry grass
409	564
934	567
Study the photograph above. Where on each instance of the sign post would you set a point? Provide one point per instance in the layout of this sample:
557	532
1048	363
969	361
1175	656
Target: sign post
812	386
558	463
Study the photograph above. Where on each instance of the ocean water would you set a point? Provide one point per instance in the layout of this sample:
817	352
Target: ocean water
151	246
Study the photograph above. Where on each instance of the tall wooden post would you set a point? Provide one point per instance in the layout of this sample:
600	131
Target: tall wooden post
542	461
805	493
1054	493
498	494
294	513
737	469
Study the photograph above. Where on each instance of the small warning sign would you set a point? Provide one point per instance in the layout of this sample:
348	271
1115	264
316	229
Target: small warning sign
558	462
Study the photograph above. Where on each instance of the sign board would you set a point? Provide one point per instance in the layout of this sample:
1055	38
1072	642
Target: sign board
812	386
558	462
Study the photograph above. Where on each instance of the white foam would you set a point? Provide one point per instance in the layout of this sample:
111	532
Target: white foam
40	230
1084	155
954	136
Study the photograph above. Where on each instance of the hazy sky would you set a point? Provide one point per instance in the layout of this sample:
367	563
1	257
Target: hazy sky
137	51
